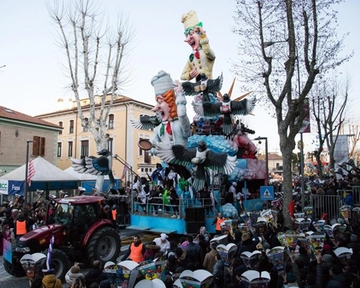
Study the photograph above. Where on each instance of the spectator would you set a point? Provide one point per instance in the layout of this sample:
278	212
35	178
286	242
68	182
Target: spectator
194	253
174	201
49	280
210	260
73	274
96	274
152	251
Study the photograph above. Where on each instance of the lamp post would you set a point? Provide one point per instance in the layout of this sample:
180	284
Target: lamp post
26	186
266	157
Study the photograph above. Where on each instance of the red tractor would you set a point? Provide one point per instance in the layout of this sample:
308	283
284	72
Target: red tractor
81	231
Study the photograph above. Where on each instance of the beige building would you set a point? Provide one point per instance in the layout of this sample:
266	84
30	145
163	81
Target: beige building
75	141
19	132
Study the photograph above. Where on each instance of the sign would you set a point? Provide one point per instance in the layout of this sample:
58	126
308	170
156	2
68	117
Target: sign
16	187
4	187
267	192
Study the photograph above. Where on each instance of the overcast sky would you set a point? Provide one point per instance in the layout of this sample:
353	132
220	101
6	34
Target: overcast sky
32	80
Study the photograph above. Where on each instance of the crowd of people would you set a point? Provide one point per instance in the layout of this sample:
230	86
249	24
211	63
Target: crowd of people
199	251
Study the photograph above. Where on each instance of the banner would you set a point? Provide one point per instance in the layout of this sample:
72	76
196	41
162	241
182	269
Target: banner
341	152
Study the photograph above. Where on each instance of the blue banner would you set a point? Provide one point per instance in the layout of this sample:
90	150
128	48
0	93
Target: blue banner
16	187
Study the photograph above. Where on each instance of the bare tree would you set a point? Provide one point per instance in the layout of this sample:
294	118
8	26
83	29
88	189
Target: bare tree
96	57
285	45
328	109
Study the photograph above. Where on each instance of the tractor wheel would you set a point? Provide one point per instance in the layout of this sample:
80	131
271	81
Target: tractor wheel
60	263
14	269
104	245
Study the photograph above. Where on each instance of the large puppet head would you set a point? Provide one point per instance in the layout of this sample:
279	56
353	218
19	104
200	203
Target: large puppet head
164	95
191	23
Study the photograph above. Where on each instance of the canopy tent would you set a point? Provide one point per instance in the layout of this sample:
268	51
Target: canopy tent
47	177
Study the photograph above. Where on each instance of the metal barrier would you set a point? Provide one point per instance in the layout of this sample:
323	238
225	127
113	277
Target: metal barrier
329	204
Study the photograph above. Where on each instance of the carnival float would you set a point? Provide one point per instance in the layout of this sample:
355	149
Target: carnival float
213	150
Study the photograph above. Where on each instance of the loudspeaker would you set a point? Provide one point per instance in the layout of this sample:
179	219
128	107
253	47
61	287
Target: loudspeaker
194	227
195	214
200	214
190	214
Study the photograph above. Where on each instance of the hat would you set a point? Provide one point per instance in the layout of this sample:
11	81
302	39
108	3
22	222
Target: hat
163	236
336	269
234	184
190	20
109	264
162	83
353	238
81	188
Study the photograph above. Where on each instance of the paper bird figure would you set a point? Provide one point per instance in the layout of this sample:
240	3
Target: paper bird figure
96	165
201	157
204	85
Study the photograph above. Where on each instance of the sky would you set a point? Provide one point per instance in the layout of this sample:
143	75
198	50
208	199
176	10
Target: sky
32	80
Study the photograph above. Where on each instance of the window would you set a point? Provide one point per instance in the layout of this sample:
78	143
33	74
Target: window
38	146
84	148
61	125
71	127
86	128
59	149
70	149
110	145
147	157
111	121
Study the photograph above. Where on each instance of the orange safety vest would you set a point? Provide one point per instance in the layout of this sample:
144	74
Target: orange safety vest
113	213
136	253
218	223
20	227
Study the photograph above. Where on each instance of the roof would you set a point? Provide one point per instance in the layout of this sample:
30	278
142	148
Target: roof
7	113
119	100
274	156
44	172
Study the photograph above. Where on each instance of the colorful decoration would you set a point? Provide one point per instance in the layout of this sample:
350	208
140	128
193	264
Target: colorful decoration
171	106
202	59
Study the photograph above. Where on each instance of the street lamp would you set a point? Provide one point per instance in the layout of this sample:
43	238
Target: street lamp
266	157
26	170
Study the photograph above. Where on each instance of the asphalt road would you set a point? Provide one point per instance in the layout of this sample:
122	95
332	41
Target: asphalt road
9	281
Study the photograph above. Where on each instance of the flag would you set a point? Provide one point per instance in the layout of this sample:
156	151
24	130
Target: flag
126	168
31	172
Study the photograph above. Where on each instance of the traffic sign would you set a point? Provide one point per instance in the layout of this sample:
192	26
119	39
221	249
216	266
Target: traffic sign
267	192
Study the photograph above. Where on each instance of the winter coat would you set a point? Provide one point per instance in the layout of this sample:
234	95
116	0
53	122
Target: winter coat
50	281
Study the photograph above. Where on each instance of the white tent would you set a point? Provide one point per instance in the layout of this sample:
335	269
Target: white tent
44	171
47	177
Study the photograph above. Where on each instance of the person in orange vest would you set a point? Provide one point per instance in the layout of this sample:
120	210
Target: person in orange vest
114	214
218	220
20	226
136	250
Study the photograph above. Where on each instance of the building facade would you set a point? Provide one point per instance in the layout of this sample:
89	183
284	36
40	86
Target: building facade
19	132
76	141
